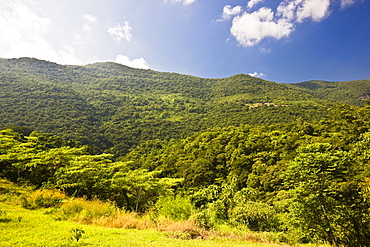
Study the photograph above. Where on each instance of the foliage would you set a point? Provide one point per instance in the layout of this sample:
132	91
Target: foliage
42	199
257	216
327	200
39	229
114	108
237	151
35	157
76	234
352	93
97	176
83	211
3	216
177	207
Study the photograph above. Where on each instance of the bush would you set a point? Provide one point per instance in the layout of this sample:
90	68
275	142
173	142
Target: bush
3	215
174	207
212	215
42	199
256	215
82	210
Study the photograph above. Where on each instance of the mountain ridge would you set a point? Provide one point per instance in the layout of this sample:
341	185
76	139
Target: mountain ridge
113	107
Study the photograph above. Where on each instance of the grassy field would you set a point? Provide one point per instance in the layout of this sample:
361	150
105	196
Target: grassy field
103	225
22	227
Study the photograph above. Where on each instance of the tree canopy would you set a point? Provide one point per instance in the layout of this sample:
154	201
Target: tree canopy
240	151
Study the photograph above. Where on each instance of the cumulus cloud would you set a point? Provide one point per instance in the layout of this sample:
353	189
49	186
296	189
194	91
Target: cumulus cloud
313	9
23	33
256	74
250	27
253	3
138	63
184	2
229	12
298	10
119	32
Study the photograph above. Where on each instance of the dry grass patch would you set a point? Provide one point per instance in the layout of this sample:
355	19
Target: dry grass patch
42	199
125	220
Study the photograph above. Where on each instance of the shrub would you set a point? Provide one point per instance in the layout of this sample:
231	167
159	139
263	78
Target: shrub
82	210
42	199
3	215
11	192
256	215
211	215
176	208
76	234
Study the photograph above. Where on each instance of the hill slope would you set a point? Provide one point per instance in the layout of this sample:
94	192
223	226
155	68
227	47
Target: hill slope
111	106
346	92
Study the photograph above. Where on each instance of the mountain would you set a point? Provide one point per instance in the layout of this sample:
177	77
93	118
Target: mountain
113	107
345	92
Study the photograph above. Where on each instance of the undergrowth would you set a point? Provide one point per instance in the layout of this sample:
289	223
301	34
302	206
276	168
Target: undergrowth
61	208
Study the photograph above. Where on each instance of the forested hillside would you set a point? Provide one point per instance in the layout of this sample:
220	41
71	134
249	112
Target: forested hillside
346	92
303	182
287	159
114	107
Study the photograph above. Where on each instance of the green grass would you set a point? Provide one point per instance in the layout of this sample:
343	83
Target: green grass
43	227
22	227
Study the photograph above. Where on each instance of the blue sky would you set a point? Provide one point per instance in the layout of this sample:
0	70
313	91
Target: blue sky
277	40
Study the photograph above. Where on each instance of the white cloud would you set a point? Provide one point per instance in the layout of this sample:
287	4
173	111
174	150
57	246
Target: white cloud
86	36
250	28
90	18
119	32
288	10
264	50
23	33
228	12
314	9
188	2
184	2
346	3
253	3
138	63
256	74
89	21
298	10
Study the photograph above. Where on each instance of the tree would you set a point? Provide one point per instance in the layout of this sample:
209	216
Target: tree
98	176
142	187
327	205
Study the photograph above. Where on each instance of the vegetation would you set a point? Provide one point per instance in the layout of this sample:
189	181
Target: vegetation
309	182
271	161
350	92
114	108
43	227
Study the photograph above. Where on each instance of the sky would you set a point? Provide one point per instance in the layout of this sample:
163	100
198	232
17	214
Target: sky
285	41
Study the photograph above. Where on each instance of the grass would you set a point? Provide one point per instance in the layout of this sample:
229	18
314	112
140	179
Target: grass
22	227
78	222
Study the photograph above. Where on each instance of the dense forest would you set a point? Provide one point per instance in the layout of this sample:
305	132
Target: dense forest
114	108
242	151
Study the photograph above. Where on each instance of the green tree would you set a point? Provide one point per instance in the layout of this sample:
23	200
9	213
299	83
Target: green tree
142	187
86	175
326	201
